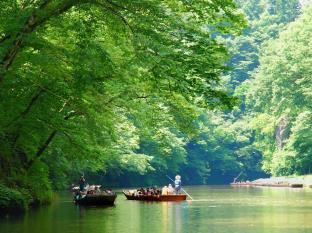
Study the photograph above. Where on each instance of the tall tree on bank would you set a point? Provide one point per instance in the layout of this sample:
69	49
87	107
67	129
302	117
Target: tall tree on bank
83	83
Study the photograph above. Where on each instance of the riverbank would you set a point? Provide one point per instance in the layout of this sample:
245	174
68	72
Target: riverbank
12	201
282	181
17	200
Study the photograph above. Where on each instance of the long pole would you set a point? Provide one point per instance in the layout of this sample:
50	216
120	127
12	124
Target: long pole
238	176
181	188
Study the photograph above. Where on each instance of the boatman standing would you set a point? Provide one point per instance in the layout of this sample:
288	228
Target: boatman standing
177	184
82	183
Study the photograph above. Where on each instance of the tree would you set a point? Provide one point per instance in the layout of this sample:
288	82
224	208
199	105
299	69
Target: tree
82	82
280	94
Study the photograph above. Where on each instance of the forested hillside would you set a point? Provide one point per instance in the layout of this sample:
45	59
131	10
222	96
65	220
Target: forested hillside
279	100
272	77
229	142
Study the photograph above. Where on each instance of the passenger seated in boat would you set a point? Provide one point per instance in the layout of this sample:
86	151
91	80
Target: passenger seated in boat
90	192
90	189
170	189
148	192
143	191
109	191
177	184
164	191
132	192
140	191
97	189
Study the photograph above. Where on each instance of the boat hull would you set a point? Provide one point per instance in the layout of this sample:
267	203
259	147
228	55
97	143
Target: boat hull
180	197
97	199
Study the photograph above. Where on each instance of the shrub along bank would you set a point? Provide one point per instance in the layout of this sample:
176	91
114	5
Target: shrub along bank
12	201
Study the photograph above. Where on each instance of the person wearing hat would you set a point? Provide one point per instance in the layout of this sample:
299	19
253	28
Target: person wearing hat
177	184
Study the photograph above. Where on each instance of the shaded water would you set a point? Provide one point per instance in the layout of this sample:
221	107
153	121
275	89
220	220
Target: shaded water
216	209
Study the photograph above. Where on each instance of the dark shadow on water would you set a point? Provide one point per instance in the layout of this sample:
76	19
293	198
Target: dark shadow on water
92	207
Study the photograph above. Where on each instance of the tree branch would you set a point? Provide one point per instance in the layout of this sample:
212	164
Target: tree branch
28	108
38	17
71	141
116	5
48	141
116	13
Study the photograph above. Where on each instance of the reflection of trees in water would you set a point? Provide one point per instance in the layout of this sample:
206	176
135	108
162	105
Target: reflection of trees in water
176	217
178	220
165	217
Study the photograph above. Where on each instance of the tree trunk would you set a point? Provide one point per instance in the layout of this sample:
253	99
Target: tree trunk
38	17
28	108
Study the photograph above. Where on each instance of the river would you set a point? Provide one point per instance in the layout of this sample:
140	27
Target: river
215	209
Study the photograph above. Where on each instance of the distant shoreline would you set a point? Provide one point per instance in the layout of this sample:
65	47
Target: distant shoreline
282	181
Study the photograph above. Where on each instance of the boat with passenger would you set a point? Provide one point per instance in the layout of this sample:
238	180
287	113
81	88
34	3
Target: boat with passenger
93	195
167	193
152	197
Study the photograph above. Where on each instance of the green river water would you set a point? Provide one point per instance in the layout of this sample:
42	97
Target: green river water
215	209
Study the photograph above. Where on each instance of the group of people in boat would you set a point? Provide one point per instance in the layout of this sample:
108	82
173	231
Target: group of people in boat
154	191
84	189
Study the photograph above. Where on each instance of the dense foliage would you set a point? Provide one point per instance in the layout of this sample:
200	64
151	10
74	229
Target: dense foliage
128	92
232	139
272	77
279	98
226	144
11	200
89	86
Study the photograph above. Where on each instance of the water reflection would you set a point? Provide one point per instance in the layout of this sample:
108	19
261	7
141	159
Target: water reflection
214	210
165	217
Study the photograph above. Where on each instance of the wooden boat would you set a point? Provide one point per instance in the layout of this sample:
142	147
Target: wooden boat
294	185
101	198
260	184
241	184
178	197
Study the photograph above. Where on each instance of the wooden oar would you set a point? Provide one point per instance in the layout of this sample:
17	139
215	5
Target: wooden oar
181	188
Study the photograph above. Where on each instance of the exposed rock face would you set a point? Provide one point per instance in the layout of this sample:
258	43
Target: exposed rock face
305	2
281	132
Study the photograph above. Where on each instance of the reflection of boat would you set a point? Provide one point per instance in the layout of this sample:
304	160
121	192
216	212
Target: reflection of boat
101	198
178	197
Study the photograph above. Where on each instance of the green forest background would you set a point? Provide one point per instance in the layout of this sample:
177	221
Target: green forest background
127	92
